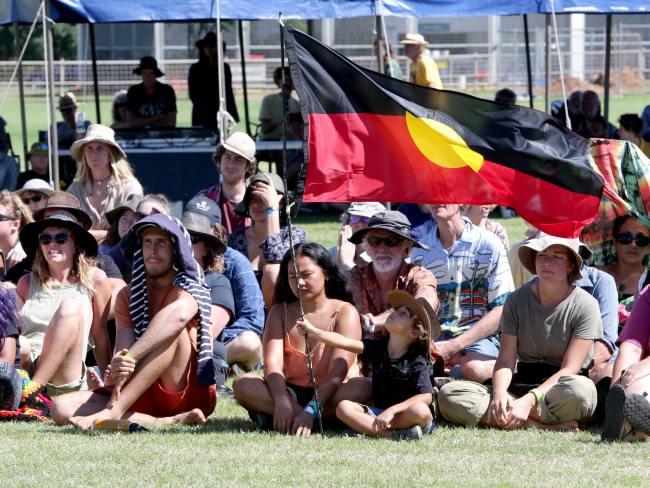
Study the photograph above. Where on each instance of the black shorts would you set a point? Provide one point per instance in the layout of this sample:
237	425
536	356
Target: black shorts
302	394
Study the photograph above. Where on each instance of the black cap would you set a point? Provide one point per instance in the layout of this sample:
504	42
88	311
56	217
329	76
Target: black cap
203	205
392	221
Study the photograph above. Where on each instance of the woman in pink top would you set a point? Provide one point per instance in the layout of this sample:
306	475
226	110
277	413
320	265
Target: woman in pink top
284	398
627	414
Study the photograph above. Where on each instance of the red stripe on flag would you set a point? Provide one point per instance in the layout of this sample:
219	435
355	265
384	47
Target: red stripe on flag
368	157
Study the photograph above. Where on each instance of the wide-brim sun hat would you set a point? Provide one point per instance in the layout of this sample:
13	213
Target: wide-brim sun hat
62	200
209	40
392	221
58	218
97	133
272	178
528	251
148	62
420	307
199	225
414	38
36	185
241	144
114	215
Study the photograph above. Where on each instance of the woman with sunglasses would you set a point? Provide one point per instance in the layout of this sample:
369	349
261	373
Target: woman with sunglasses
35	193
64	300
631	239
104	178
266	241
14	215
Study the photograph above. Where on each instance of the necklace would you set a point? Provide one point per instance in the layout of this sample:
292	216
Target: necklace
102	181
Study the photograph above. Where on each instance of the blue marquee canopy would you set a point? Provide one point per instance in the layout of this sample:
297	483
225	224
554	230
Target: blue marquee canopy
106	11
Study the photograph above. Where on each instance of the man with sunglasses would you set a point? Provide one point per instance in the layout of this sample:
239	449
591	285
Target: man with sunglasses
474	281
389	243
356	217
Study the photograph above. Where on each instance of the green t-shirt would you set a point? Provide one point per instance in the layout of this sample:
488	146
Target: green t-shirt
544	332
271	110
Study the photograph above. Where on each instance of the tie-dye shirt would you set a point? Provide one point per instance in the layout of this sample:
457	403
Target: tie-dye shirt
473	276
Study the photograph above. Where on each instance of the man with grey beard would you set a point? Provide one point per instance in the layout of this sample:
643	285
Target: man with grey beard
389	243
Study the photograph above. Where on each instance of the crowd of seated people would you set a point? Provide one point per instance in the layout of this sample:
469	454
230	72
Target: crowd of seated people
406	325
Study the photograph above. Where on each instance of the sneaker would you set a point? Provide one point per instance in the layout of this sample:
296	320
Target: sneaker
637	412
410	434
614	414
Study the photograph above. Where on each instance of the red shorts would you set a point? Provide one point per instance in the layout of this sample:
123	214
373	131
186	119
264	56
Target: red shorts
158	402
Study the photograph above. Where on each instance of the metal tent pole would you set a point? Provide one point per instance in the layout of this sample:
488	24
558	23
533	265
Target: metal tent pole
21	92
242	59
93	54
529	69
608	55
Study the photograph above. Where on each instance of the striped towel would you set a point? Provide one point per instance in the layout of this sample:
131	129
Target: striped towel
189	277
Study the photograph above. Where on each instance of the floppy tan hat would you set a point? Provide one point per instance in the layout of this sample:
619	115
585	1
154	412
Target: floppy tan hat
242	144
98	133
420	307
529	250
413	38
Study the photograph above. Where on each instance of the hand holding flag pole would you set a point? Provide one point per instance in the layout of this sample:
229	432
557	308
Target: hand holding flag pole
287	209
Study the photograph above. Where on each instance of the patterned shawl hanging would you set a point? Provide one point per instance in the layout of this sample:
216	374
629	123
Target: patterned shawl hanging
189	277
626	171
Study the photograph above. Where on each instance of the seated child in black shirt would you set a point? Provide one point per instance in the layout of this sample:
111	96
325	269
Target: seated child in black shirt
401	361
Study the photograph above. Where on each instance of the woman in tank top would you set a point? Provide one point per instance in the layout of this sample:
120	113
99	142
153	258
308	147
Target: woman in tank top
284	398
64	300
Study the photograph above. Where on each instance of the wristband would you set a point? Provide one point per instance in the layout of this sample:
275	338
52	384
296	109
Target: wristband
316	408
309	410
539	396
271	211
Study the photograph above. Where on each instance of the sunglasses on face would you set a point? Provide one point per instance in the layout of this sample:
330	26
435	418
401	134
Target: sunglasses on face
390	241
60	238
356	219
35	199
4	217
626	238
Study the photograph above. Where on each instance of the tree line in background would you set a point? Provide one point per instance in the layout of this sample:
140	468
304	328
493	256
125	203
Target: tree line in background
65	42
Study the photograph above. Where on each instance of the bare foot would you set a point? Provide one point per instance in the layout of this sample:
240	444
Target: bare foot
569	426
93	379
193	417
87	423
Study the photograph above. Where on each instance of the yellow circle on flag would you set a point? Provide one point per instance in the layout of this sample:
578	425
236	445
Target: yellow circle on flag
441	144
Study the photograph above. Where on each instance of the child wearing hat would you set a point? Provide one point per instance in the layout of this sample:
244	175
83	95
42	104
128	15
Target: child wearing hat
401	373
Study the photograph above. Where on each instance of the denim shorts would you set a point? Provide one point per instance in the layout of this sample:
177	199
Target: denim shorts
486	347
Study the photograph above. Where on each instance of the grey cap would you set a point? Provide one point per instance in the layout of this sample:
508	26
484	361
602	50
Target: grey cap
203	205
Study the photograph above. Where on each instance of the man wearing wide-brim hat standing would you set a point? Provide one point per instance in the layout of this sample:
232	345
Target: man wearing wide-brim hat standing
423	70
150	103
389	243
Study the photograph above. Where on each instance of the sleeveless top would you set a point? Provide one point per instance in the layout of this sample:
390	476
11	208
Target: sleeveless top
295	367
41	305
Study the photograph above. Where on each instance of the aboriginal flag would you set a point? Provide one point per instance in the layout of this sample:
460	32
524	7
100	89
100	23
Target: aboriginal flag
375	138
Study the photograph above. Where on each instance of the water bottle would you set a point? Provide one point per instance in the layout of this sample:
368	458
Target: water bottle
80	125
121	425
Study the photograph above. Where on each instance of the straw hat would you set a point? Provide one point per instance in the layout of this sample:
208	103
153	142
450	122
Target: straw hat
67	101
62	200
529	250
420	307
413	38
96	133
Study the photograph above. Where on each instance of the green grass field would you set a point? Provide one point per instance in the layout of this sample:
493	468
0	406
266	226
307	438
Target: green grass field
36	111
231	452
